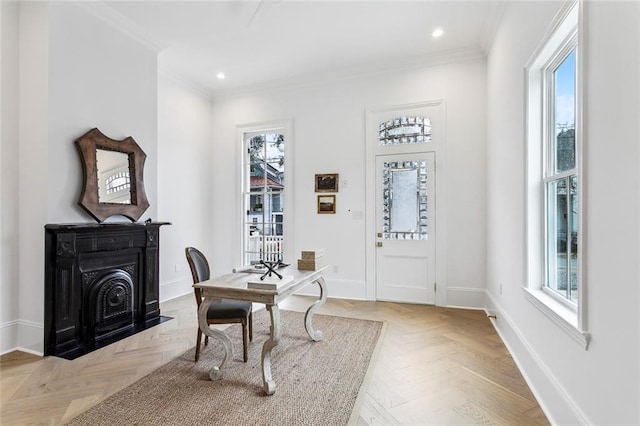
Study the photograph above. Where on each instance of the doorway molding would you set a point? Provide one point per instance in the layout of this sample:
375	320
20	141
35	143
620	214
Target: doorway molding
438	146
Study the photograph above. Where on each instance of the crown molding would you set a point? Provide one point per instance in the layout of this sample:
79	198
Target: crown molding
186	83
115	19
360	71
491	24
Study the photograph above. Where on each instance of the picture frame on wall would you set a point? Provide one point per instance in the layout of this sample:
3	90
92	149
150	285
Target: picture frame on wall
326	204
327	182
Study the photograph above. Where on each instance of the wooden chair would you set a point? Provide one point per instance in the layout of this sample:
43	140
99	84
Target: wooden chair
224	312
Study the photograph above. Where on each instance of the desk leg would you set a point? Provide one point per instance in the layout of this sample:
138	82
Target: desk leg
316	335
268	384
216	372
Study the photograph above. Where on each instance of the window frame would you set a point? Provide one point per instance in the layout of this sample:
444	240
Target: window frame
278	126
549	141
565	35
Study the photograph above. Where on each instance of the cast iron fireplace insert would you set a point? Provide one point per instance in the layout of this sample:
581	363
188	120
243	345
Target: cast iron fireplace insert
101	284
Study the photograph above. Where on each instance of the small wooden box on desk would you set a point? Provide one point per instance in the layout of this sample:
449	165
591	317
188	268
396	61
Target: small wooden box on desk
312	260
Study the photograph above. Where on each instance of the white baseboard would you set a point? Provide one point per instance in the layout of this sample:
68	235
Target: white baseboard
465	297
341	289
22	335
8	337
554	400
173	289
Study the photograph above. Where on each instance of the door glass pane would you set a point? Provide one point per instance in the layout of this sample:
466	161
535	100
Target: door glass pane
564	114
404	200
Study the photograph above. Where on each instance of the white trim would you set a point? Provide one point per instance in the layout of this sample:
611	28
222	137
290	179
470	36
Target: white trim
185	84
8	336
173	289
122	23
22	335
339	289
561	32
491	25
555	26
288	226
465	297
546	388
581	161
360	71
559	313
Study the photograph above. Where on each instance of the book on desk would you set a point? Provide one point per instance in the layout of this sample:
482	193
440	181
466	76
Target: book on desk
269	283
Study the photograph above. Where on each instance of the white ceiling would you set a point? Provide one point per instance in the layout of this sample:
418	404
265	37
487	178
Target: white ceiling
259	42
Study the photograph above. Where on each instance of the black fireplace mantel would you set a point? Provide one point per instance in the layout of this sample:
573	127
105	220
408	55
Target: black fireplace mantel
101	284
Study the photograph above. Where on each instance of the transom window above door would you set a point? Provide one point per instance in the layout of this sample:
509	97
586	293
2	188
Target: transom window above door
405	130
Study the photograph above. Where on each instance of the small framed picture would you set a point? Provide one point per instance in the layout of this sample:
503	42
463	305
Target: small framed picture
326	204
327	182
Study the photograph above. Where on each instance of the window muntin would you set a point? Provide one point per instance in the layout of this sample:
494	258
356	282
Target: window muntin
561	178
264	184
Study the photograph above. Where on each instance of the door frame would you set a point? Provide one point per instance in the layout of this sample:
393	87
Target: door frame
438	146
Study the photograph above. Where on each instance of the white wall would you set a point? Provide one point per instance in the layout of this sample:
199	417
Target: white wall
599	385
185	177
76	73
329	137
98	77
8	172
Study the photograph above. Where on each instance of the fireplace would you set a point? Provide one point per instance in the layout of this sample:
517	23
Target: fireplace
101	284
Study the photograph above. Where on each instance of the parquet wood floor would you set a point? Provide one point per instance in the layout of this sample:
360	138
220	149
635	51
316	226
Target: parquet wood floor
436	366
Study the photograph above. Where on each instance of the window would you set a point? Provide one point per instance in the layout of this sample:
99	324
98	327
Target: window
554	180
263	194
405	130
561	179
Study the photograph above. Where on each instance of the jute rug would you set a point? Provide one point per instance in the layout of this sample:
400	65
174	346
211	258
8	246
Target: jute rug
317	383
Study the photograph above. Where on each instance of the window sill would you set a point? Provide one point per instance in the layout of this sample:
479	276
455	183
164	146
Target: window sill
563	317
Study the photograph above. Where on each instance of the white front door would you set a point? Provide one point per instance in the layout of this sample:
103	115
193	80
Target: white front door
403	144
405	224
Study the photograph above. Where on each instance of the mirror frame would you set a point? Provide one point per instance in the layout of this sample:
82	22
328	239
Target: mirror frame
87	145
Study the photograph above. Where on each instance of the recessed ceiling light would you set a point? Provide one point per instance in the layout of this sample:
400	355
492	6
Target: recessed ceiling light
437	33
221	76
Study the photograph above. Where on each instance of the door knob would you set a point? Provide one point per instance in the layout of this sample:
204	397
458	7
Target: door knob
379	244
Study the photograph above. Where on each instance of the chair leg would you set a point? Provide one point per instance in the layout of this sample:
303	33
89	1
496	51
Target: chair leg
198	339
245	343
251	326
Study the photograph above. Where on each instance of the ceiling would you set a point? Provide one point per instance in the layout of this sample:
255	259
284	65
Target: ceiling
262	42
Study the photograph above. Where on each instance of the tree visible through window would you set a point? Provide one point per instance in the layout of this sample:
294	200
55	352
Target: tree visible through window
264	183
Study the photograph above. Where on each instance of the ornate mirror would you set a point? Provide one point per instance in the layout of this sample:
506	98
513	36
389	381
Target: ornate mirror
112	171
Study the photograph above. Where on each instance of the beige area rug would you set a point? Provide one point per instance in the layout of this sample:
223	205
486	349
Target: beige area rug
317	383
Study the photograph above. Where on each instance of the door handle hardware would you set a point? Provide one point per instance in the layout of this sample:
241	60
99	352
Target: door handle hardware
379	234
379	244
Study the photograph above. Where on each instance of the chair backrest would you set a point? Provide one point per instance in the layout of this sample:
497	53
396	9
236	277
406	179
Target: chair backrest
199	268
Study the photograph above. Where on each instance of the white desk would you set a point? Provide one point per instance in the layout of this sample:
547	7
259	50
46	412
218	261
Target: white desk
234	286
